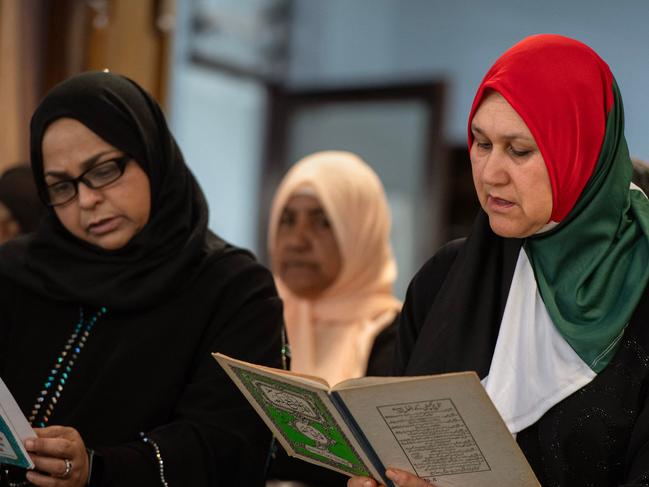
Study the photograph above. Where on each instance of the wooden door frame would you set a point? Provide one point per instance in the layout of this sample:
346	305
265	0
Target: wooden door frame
284	102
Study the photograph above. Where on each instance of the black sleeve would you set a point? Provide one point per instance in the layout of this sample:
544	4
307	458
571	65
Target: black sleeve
638	457
215	437
419	298
382	354
7	299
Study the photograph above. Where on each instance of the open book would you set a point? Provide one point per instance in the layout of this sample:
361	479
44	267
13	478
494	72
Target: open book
442	428
14	429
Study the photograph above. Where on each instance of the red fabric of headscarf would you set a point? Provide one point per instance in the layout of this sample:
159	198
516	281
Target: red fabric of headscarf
560	96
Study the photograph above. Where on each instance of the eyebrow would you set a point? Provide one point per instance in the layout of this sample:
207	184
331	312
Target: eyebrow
85	165
309	211
511	136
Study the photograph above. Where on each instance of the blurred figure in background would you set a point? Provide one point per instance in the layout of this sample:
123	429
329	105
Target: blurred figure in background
20	207
640	174
329	243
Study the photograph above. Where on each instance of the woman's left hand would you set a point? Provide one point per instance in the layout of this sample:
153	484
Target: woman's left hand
405	479
399	477
60	456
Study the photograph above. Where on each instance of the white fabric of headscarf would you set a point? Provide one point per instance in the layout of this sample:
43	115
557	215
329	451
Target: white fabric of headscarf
533	367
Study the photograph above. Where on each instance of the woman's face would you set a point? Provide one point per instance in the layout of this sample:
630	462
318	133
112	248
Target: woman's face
307	257
509	174
108	217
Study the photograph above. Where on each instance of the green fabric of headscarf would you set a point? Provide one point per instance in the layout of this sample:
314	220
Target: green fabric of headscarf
593	267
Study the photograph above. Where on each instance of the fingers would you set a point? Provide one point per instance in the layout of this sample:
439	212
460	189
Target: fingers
52	451
50	447
44	480
54	466
399	477
405	479
57	432
361	482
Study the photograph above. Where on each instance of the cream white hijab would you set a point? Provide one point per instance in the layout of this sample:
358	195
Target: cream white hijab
332	336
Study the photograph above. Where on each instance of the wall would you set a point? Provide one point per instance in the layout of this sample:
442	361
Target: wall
218	120
341	41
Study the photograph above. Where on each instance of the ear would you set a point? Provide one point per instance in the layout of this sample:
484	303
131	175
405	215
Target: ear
13	228
9	229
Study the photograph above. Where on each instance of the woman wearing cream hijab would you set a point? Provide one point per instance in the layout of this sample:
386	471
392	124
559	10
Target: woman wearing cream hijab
333	265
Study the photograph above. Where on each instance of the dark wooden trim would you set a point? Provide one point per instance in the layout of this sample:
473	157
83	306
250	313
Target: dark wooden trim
228	69
284	102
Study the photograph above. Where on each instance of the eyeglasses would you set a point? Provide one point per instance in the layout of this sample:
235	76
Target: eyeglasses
96	177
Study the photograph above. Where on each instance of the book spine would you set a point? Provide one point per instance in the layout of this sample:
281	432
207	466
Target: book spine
360	437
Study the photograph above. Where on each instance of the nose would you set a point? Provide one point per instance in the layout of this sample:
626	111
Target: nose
494	168
299	238
88	198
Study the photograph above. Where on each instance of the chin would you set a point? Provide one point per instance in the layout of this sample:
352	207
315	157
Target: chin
110	242
302	288
307	293
506	229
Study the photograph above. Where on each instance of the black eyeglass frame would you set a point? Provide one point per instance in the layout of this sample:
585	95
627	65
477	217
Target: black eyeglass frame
121	163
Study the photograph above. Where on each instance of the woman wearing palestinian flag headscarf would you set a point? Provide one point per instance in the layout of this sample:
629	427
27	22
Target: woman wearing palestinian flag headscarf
109	312
546	299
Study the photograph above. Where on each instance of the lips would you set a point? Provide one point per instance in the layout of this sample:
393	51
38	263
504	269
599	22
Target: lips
495	203
104	226
299	266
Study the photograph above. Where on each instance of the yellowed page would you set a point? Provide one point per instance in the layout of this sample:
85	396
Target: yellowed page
442	428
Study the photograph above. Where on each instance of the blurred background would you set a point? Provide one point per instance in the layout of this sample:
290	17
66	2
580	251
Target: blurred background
251	86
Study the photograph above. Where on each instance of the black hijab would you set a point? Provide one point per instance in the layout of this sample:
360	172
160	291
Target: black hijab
461	326
158	261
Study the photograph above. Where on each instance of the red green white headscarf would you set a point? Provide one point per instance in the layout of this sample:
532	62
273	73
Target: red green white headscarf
593	267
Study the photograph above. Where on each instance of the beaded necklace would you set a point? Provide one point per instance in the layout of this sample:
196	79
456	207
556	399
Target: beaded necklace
63	365
58	376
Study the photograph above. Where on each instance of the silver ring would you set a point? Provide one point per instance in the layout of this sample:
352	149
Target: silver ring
68	469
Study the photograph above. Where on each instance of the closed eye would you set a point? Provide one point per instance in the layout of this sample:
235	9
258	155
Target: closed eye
519	153
59	188
103	171
321	221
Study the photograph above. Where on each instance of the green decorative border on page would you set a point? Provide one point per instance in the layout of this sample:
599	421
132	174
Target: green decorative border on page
304	421
10	453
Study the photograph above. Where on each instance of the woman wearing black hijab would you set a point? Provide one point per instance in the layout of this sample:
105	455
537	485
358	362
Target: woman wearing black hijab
109	312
